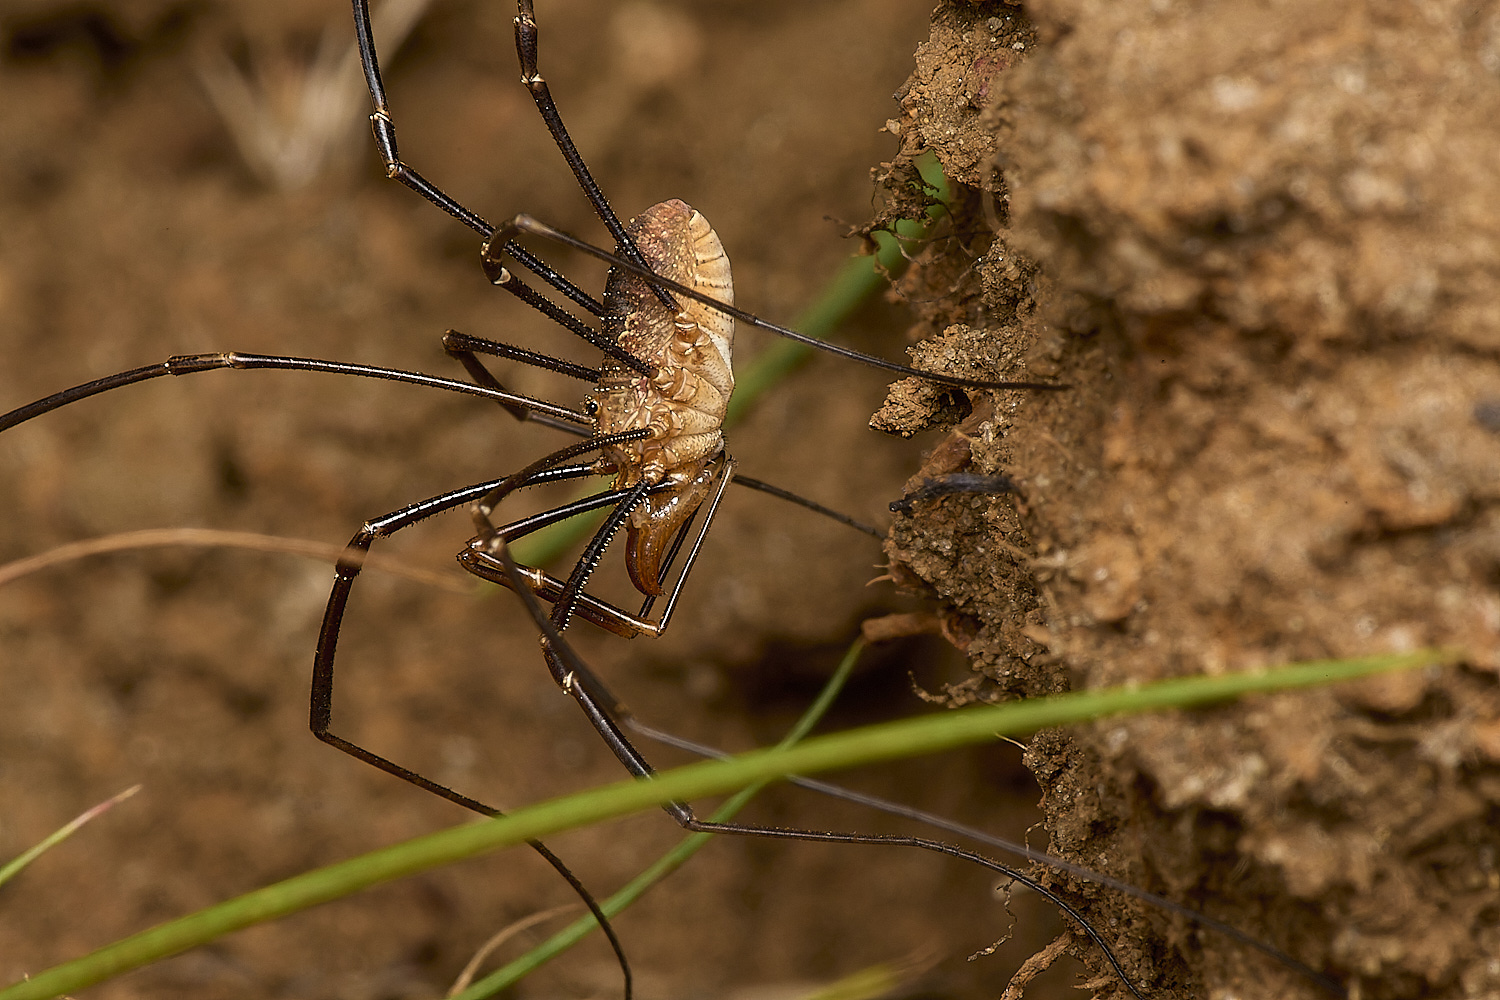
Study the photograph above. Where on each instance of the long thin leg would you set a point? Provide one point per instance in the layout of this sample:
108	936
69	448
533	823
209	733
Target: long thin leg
478	558
956	482
567	667
460	346
499	274
1010	847
526	224
465	350
526	53
384	128
320	712
346	571
348	568
593	554
188	364
761	486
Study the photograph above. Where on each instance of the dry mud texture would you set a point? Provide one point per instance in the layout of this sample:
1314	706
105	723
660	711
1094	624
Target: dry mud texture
1261	245
132	229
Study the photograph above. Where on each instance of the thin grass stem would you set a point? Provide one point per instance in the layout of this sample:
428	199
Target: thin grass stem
867	745
513	972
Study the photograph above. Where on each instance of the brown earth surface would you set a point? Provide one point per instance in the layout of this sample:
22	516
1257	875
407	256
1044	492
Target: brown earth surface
1261	245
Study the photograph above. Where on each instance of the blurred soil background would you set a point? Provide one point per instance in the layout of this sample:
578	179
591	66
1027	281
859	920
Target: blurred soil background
134	227
1258	243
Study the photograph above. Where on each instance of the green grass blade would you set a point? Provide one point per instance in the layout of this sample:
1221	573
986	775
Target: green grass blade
859	278
871	744
513	972
61	834
879	980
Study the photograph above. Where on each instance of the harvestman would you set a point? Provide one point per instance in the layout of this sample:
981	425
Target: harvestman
660	397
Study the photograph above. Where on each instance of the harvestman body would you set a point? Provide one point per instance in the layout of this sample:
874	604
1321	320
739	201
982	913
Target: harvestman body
680	406
684	403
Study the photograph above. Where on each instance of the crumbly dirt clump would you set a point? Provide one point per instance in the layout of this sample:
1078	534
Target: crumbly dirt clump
1260	248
